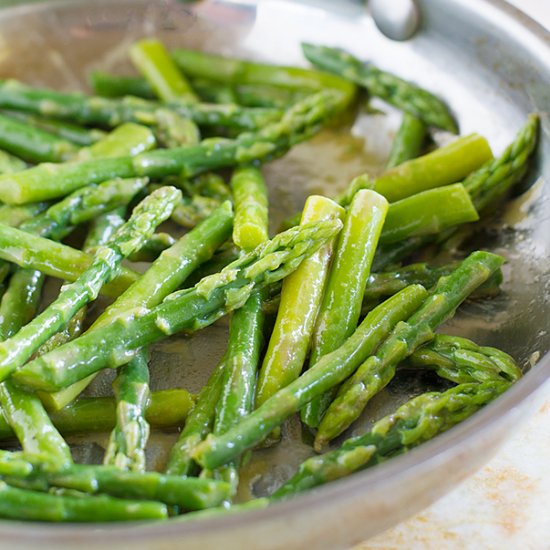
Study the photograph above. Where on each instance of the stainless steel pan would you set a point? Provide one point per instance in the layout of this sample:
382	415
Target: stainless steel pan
492	64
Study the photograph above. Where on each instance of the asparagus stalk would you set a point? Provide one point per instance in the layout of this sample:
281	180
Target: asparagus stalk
376	372
166	409
22	504
32	426
10	163
190	309
298	123
198	425
300	301
127	139
248	95
384	284
428	213
329	371
247	324
497	176
126	449
444	166
100	111
196	64
16	215
187	493
31	143
239	375
108	85
163	277
415	422
462	361
155	64
250	196
146	216
404	95
408	141
64	130
341	305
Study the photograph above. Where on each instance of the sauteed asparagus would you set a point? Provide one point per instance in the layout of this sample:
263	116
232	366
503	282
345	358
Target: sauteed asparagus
323	315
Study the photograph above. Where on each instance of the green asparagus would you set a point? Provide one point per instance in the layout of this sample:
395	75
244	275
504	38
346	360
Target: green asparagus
341	305
300	301
155	64
250	196
408	141
31	143
462	361
108	112
404	95
22	504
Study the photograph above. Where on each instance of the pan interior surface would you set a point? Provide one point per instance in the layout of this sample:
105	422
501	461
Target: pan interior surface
492	66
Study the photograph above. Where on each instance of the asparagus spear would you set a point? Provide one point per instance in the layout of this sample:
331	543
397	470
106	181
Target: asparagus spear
408	141
146	216
329	371
428	213
446	165
383	284
376	372
166	409
232	71
32	426
341	305
404	95
187	493
126	449
54	259
462	361
298	123
248	95
16	215
247	323
250	196
127	139
190	309
239	376
415	422
31	143
300	301
100	111
155	64
64	130
198	425
496	177
108	85
10	163
22	504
